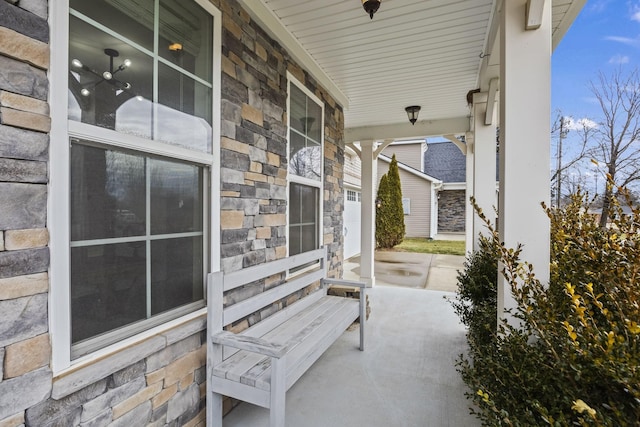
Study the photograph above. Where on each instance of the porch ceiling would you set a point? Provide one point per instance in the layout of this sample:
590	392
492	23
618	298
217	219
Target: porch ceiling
413	52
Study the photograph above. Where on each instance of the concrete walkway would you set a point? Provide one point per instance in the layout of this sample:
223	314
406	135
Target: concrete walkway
405	377
434	272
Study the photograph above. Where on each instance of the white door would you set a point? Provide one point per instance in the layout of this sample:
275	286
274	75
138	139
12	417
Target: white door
352	224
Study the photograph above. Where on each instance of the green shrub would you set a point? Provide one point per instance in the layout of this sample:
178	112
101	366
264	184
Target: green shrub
573	356
476	299
390	228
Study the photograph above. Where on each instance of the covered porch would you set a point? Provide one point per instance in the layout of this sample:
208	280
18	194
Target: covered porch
476	68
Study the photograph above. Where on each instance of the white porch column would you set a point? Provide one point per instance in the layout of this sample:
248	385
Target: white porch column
368	214
525	99
469	191
484	171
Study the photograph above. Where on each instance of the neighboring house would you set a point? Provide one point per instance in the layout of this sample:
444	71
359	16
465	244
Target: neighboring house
419	192
419	195
445	161
167	139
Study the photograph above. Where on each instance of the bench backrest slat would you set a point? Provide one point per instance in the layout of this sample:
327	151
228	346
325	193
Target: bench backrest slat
251	305
251	274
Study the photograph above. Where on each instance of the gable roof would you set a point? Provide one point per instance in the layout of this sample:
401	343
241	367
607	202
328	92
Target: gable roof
445	161
411	170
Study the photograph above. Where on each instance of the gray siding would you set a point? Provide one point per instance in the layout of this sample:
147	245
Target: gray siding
418	223
409	154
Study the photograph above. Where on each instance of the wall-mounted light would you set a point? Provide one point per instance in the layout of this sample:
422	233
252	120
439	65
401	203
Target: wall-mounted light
378	203
371	6
412	112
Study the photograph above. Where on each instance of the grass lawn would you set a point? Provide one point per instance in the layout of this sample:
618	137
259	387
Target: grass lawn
426	246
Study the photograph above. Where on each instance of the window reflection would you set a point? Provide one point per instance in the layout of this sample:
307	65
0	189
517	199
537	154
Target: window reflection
111	79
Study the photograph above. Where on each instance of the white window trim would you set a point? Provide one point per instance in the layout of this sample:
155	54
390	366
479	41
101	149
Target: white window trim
291	79
58	209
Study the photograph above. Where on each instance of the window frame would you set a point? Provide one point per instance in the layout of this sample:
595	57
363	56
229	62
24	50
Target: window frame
293	178
59	213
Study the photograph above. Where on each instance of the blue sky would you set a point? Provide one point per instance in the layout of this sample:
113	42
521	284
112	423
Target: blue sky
604	36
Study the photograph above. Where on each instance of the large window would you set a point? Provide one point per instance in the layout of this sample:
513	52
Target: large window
305	169
140	157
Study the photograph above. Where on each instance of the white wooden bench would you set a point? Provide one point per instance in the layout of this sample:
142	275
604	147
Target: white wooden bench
261	363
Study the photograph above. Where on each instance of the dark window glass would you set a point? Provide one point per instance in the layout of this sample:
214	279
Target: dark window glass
107	193
113	193
176	279
108	284
303	218
176	197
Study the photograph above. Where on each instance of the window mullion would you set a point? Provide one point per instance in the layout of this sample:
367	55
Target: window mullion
148	234
156	43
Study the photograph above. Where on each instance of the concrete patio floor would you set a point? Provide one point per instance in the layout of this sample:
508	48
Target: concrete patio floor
405	377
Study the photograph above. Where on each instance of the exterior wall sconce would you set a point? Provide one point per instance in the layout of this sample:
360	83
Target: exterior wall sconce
412	112
378	203
371	6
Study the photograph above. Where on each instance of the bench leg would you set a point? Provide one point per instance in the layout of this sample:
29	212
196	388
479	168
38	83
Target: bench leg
278	392
214	409
363	315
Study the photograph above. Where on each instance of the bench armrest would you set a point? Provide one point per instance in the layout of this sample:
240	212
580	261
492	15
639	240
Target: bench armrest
253	344
342	282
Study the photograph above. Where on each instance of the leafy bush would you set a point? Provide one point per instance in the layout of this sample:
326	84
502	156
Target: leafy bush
477	297
390	228
573	355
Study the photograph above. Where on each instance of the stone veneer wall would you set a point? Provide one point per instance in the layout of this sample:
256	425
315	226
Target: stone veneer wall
158	382
451	211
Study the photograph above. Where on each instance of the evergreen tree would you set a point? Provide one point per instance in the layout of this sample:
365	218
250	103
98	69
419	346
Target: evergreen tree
390	228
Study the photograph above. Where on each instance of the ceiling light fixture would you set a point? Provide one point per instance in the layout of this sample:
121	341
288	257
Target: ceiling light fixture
412	112
371	6
106	76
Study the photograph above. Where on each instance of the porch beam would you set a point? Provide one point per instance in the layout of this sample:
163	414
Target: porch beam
397	131
525	108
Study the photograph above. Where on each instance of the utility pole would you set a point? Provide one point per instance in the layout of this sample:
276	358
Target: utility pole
563	134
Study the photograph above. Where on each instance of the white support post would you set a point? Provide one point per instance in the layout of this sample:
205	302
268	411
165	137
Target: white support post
469	191
484	170
368	214
525	99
